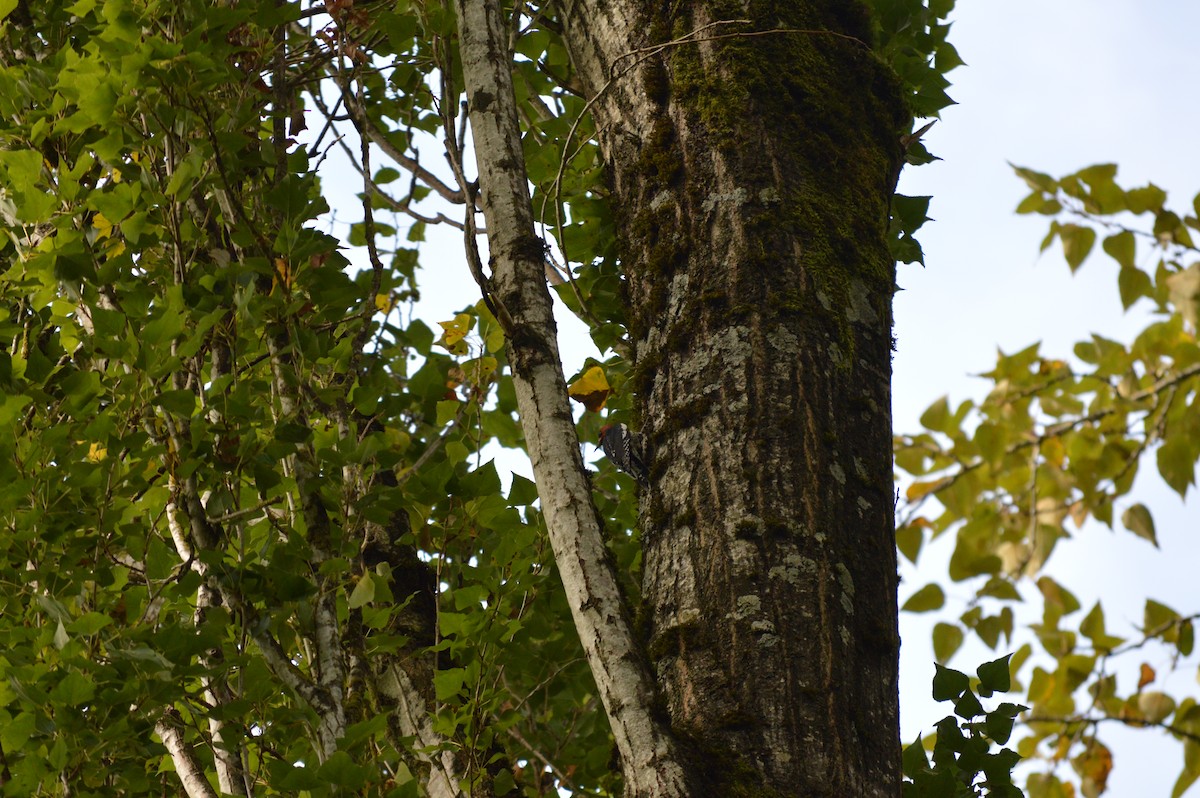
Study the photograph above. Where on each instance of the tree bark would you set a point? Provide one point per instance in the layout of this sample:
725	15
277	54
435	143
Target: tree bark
751	168
518	289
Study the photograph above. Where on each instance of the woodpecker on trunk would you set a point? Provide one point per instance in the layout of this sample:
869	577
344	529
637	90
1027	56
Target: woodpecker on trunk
624	450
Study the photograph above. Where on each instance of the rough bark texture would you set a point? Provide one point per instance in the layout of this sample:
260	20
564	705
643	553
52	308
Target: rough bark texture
752	176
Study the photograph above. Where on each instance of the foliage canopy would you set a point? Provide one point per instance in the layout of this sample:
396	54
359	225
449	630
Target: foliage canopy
217	439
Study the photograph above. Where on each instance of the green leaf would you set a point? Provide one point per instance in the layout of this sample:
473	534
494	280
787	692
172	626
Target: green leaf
1191	768
1147	198
1077	243
482	481
523	491
1059	601
949	684
914	758
10	408
291	432
340	769
1037	180
947	638
930	597
909	539
1168	227
995	676
1033	203
74	689
503	783
1177	463
1137	520
1157	617
906	249
968	706
447	411
447	683
1092	627
456	452
23	168
999	724
387	174
364	591
935	416
61	638
180	403
992	441
183	176
1122	248
6	7
910	212
289	197
1000	588
89	623
1133	284
1104	195
1155	706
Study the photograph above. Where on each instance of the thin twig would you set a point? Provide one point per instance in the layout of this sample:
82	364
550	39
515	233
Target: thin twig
1096	720
236	514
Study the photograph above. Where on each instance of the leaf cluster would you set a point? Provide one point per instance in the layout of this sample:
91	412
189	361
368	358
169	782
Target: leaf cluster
963	762
220	441
1056	445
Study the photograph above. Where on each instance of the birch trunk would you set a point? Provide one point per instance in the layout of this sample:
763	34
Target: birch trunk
518	288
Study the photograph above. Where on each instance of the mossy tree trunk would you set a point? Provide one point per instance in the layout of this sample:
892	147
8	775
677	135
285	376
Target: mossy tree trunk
752	174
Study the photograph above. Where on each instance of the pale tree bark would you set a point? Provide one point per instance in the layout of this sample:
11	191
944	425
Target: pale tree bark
518	290
751	167
191	772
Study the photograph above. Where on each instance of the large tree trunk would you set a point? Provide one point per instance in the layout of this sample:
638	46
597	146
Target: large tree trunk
751	168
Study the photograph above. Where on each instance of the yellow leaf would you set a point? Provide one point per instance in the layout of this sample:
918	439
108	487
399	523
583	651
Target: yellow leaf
454	331
1054	451
1093	767
918	490
283	274
96	453
591	381
592	389
103	226
384	303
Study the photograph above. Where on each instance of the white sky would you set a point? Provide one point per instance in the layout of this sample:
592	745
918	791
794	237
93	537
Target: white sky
1054	85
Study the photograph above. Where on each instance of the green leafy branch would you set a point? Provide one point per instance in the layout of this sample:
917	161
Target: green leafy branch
963	761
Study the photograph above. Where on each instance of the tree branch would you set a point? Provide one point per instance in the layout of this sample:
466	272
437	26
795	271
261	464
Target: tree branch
191	774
